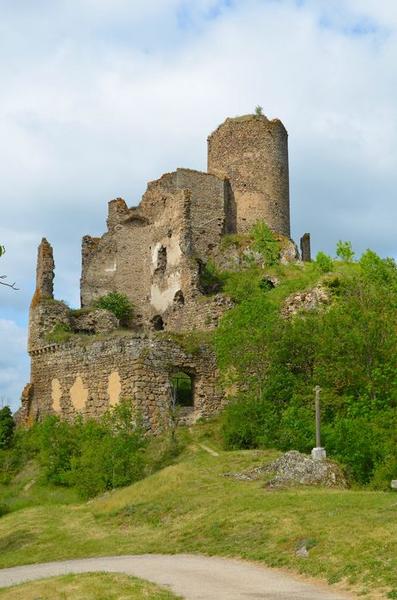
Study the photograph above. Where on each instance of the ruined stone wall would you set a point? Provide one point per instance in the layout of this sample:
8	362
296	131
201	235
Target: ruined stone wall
89	377
253	153
143	254
209	209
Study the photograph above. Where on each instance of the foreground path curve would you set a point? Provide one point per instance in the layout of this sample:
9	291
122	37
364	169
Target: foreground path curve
193	577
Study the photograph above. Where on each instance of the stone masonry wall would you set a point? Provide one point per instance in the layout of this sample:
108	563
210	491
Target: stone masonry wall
127	258
88	378
253	153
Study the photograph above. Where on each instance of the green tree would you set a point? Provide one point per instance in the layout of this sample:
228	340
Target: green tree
7	426
258	110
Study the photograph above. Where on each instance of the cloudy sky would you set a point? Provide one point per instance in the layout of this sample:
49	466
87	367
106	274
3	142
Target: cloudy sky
100	96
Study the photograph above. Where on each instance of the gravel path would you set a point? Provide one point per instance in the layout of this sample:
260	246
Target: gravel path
194	577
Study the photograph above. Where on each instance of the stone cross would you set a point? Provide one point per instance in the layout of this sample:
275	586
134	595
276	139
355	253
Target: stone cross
318	453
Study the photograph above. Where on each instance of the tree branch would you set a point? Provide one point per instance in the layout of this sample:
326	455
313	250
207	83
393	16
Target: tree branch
10	285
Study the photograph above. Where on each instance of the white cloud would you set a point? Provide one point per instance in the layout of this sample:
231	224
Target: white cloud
99	96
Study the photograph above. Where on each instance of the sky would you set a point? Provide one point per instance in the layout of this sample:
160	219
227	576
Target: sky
100	96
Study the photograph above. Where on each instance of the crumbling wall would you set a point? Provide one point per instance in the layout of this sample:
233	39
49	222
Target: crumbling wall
209	209
143	254
252	152
89	378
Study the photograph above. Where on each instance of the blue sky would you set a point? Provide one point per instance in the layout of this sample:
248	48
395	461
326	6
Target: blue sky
100	96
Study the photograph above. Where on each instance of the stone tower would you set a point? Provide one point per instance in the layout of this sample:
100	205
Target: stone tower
252	152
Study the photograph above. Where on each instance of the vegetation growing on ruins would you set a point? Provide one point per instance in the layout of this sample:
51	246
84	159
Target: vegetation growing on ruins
60	334
118	304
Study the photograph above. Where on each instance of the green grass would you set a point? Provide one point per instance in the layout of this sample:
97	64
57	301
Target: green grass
92	586
27	489
191	507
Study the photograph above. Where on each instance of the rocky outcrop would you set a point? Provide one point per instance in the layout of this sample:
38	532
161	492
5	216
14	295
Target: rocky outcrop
99	320
294	468
305	301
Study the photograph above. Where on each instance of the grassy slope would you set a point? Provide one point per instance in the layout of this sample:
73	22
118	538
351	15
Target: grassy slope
93	586
192	507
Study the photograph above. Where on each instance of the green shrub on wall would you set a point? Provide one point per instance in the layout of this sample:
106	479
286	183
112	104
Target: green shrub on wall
119	304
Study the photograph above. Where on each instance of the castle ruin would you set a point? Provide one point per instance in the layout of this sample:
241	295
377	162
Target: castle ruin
154	253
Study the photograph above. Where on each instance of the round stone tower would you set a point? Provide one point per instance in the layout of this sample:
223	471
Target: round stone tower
252	152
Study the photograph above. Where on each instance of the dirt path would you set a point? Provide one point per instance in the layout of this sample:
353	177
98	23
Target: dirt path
193	577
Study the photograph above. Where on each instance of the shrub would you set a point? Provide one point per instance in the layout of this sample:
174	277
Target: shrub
344	251
324	262
248	422
119	304
265	243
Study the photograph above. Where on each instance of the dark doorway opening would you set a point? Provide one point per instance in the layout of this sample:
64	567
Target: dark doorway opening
157	322
182	389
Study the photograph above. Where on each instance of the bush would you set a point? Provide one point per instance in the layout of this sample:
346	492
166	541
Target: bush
324	262
111	452
265	243
344	251
119	304
248	422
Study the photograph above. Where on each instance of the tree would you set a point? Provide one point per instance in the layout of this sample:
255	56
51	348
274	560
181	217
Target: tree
344	251
259	111
11	285
7	426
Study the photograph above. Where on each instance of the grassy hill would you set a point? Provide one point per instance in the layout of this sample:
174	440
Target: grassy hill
190	506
